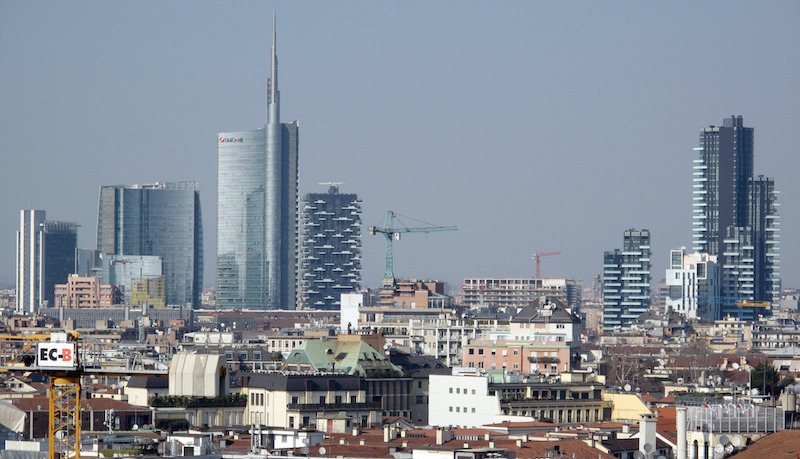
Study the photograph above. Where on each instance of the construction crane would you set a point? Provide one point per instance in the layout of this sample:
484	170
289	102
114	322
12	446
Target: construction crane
392	232
65	358
537	257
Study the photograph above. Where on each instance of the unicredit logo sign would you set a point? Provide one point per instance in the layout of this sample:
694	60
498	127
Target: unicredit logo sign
230	140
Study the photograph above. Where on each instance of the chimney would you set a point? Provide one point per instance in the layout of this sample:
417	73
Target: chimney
487	436
341	441
355	431
466	445
519	443
491	444
443	436
626	428
405	444
681	427
362	442
647	434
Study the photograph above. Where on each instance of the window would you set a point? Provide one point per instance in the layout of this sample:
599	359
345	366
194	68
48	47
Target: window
494	352
451	390
516	351
338	399
321	399
353	399
291	422
458	409
295	400
256	355
473	391
516	366
473	410
471	351
451	409
419	400
458	390
480	351
243	355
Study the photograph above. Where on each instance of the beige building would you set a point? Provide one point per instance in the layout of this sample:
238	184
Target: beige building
296	400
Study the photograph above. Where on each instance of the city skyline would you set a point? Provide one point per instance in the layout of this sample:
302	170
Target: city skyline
570	107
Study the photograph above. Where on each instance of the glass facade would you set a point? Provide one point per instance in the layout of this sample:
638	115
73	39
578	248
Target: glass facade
163	220
60	240
257	221
241	225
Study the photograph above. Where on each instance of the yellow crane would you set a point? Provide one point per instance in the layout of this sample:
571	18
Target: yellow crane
65	358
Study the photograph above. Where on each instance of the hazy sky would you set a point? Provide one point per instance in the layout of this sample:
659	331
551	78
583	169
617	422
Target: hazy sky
532	126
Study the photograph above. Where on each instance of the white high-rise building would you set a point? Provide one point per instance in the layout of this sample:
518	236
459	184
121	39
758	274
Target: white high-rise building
694	284
30	269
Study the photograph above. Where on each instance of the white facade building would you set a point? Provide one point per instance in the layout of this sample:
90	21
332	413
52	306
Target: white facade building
462	399
694	284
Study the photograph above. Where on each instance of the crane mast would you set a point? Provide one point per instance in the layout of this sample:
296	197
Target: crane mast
390	231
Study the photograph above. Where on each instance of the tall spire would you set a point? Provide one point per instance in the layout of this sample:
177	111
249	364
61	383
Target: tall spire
272	86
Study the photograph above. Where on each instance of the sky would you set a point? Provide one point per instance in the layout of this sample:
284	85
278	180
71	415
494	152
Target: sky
531	126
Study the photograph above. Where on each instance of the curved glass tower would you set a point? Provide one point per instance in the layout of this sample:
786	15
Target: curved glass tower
257	210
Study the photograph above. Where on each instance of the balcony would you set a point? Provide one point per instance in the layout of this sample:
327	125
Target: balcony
325	407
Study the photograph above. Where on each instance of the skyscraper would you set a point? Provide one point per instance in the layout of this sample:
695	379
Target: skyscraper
45	257
626	280
257	210
331	248
159	219
735	215
60	243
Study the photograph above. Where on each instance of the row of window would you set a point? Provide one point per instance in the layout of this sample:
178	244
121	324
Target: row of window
458	390
458	409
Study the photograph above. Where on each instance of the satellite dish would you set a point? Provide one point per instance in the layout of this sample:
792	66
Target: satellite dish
737	441
729	449
305	440
648	447
322	450
719	449
627	388
638	455
735	365
304	450
754	391
135	427
723	440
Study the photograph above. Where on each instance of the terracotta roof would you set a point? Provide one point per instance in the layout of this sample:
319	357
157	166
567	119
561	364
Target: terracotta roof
783	444
375	447
40	403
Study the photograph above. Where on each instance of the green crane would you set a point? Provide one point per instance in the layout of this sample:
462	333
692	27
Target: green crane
392	232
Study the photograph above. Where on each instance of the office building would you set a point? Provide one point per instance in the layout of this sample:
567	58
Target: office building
60	243
161	220
331	248
45	256
693	284
126	270
735	216
257	210
626	281
29	266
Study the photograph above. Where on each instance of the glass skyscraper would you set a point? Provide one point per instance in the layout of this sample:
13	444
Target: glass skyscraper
626	281
331	248
735	216
257	221
160	219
